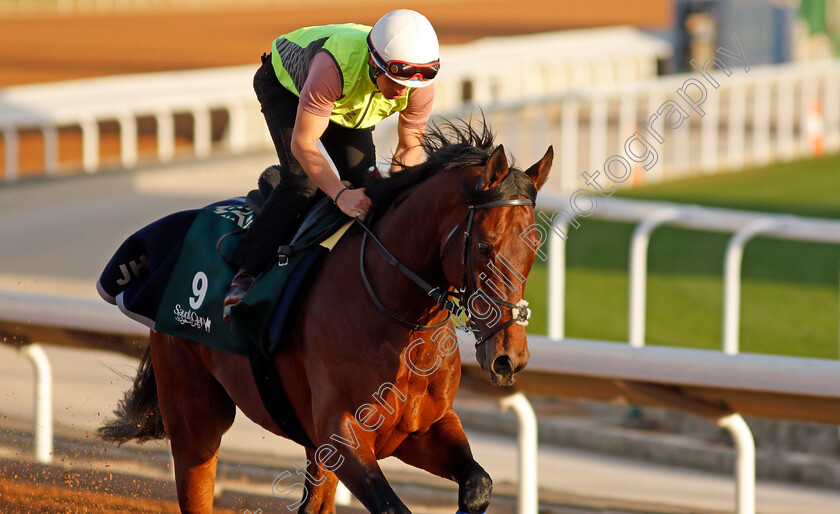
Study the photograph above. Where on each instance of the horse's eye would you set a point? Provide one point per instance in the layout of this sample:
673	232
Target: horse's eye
485	249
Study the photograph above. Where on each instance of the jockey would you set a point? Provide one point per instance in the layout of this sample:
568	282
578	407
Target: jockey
333	83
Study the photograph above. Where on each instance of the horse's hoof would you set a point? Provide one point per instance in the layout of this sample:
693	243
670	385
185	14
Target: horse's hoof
474	494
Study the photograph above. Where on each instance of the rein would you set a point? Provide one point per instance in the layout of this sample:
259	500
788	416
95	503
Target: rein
520	310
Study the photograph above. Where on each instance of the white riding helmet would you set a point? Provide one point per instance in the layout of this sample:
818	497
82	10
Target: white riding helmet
404	45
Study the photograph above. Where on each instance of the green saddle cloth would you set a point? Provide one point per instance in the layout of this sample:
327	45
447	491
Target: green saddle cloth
191	304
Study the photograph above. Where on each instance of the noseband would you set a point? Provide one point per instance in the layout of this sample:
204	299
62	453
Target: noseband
520	313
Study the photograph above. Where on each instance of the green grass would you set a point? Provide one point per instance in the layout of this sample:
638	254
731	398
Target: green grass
807	188
790	289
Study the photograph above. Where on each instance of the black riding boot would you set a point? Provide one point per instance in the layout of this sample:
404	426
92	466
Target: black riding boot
271	228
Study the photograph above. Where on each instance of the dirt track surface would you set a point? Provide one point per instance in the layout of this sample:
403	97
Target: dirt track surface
40	48
21	497
26	487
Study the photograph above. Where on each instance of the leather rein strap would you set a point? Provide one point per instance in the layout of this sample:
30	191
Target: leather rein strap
441	297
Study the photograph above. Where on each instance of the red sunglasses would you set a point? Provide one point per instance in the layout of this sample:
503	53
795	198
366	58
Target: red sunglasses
405	70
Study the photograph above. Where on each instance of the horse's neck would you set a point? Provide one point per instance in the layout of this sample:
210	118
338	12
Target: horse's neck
413	231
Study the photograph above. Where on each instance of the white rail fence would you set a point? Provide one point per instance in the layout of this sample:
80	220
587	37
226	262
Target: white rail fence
769	114
222	110
515	68
88	104
744	226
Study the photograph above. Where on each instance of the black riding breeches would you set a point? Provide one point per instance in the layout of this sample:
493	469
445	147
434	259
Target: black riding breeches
351	150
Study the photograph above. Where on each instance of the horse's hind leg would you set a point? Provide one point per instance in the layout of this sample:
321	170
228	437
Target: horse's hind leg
443	450
196	411
320	488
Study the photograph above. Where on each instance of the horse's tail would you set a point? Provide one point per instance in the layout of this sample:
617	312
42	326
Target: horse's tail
138	413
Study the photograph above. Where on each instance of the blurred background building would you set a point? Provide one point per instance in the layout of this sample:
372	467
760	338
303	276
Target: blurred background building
771	32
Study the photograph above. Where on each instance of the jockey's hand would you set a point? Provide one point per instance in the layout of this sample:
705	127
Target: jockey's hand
354	203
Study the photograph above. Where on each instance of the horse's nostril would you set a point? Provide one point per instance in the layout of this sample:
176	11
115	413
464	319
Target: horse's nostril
502	365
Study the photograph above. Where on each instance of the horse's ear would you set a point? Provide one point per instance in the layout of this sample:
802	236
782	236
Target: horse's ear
539	171
496	169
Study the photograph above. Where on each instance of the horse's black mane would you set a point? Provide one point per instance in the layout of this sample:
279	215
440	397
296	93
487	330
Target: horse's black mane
449	145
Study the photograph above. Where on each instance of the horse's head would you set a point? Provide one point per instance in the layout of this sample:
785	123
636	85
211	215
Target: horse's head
496	257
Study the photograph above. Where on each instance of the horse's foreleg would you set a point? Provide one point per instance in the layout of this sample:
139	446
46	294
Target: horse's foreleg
351	457
362	475
443	450
196	411
320	488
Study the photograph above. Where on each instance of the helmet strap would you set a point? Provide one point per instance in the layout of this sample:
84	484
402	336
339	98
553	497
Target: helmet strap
374	70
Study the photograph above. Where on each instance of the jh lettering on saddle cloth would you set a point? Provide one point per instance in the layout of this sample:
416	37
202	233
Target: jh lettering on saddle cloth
172	277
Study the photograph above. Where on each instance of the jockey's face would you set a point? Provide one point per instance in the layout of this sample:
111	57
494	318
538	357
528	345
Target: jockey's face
390	89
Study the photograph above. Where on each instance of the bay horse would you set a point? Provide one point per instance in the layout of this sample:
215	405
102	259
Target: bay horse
366	385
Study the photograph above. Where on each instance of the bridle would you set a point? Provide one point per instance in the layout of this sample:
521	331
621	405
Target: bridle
520	313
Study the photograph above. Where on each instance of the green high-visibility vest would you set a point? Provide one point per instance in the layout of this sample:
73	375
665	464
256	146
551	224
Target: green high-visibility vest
361	104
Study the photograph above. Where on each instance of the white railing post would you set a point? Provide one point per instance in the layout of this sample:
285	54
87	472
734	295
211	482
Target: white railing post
343	496
736	126
90	145
540	140
557	283
528	501
785	145
43	433
202	132
761	124
237	128
744	462
128	140
512	131
681	148
598	132
165	135
657	172
10	142
50	149
626	120
808	108
710	135
569	145
732	280
482	93
638	273
831	108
